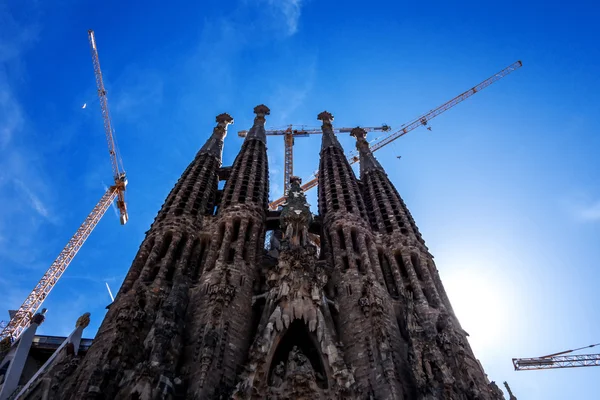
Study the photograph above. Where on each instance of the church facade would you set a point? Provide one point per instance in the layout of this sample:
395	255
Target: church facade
347	304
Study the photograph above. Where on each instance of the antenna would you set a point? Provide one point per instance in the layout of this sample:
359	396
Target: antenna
109	292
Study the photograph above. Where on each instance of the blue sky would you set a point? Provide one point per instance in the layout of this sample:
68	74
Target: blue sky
504	188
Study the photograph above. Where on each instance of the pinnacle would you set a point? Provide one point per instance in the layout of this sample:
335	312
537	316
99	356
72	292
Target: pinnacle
329	138
258	129
214	144
368	162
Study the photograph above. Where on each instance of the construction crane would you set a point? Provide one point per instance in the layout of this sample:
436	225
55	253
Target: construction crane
290	133
420	121
20	318
557	360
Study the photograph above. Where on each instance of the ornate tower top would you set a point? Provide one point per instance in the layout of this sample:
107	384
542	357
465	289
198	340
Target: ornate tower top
368	162
258	129
214	145
329	138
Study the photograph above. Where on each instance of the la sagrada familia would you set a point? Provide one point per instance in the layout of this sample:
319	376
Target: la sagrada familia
347	304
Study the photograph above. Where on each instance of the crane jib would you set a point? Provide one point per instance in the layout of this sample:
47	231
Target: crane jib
420	121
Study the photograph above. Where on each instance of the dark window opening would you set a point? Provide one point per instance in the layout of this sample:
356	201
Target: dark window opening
230	255
349	290
341	238
354	241
429	296
388	276
416	262
179	248
360	266
236	230
402	266
221	232
190	267
143	254
154	272
165	246
346	264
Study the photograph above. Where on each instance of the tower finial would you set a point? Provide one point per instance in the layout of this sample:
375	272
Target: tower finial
258	129
214	145
368	162
329	138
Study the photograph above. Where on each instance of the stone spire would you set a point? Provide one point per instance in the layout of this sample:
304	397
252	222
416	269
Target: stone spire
258	129
214	145
368	162
329	138
295	215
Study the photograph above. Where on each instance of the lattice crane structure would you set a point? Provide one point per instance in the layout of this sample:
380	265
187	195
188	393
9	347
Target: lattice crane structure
558	360
420	121
20	319
292	132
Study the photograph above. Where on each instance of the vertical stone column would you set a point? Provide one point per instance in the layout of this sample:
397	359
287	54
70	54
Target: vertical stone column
137	349
442	363
219	334
365	322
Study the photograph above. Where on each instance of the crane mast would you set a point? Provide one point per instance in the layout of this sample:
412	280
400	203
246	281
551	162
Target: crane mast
290	133
420	121
119	176
21	318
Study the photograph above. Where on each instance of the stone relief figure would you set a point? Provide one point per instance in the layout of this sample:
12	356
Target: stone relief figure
298	363
278	375
296	216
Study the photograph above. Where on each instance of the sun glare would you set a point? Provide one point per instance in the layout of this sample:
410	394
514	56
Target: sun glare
476	297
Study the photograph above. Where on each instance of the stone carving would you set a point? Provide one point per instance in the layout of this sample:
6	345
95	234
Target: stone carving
202	298
296	216
83	321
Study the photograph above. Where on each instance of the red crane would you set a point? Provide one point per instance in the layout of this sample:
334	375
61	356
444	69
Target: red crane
20	319
420	121
291	132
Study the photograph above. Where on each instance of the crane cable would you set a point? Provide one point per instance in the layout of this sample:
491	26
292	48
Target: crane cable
570	351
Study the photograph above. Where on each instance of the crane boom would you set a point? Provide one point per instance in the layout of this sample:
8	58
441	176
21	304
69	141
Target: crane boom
420	121
446	106
558	360
21	318
119	176
584	360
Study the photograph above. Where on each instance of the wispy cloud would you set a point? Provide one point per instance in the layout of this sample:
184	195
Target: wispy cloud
589	211
583	206
287	11
35	201
26	195
10	114
292	92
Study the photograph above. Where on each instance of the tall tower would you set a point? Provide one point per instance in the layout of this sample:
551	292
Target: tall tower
365	319
206	313
439	357
218	331
138	346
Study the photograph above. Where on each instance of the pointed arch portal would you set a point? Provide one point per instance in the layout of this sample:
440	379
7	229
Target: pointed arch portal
298	335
